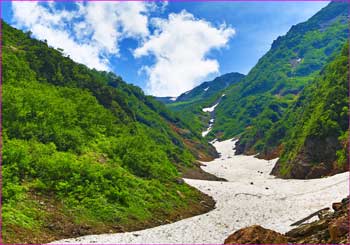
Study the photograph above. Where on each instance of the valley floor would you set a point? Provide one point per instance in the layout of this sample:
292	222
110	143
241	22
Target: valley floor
250	196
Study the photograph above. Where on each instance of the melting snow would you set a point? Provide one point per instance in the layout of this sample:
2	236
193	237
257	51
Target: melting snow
270	202
210	109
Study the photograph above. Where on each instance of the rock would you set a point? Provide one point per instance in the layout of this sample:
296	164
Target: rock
333	227
179	181
318	171
118	228
255	235
51	226
307	229
251	183
325	214
314	160
345	200
337	228
337	206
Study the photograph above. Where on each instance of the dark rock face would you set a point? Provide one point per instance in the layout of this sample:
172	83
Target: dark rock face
315	150
256	235
332	227
239	148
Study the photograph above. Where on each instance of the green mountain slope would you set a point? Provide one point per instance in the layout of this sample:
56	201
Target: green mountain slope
317	126
208	89
259	101
189	105
84	152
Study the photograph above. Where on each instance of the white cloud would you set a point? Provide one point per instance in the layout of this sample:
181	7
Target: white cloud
91	32
97	27
180	45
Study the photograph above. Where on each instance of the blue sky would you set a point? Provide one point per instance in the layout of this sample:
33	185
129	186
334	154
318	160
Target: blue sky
165	48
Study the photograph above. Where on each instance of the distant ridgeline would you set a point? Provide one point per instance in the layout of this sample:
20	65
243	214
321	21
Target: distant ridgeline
190	103
266	109
84	149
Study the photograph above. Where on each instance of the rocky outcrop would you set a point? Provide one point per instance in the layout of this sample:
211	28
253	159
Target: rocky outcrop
332	227
256	235
315	150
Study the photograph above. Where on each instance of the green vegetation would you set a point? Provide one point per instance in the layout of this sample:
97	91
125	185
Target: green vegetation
84	149
191	103
317	125
258	102
83	145
284	107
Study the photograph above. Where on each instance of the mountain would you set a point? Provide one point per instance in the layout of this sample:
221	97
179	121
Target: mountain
255	104
208	89
189	105
316	127
84	152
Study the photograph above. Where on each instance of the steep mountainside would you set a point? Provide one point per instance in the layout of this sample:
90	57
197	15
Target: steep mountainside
84	152
190	104
315	131
208	89
259	101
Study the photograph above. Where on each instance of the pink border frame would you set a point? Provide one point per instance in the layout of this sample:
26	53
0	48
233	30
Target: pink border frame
1	139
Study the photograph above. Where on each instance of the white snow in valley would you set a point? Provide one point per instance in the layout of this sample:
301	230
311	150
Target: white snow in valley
211	123
173	98
250	196
206	132
210	109
206	89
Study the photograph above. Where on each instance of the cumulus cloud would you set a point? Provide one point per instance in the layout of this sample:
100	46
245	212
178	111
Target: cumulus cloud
180	45
97	27
90	33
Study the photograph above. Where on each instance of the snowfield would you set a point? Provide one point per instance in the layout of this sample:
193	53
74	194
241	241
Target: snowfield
251	196
210	109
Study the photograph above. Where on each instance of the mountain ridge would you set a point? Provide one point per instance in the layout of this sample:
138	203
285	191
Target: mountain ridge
255	104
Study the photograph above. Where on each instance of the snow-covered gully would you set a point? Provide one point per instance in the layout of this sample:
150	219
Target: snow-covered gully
250	196
211	111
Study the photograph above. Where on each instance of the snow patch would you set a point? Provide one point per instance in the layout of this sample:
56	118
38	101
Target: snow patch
206	89
206	132
210	126
250	196
210	109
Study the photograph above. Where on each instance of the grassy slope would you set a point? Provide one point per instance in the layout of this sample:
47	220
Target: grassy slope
254	105
189	105
83	151
317	125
